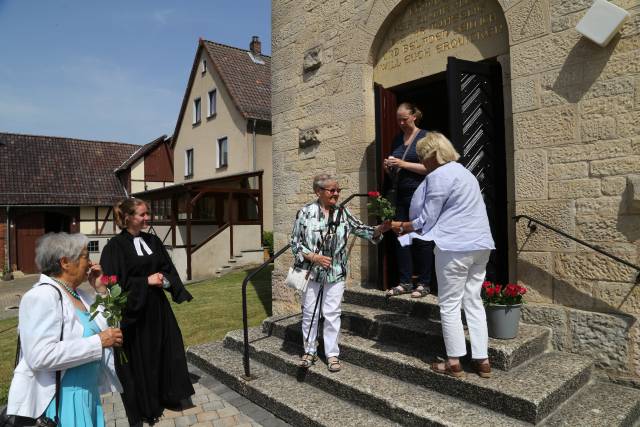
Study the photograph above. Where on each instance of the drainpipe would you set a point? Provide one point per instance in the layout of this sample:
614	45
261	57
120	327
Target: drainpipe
254	151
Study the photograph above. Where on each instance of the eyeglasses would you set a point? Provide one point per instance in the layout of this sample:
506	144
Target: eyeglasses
332	190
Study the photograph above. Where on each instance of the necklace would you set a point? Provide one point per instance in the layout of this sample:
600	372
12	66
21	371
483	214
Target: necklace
71	291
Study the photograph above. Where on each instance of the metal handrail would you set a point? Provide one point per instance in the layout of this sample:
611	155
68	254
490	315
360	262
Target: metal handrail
533	228
245	322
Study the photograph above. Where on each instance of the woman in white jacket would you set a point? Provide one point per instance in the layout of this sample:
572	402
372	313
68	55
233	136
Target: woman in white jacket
84	356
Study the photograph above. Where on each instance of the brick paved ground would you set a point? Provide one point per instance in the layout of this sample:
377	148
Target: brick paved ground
216	405
10	293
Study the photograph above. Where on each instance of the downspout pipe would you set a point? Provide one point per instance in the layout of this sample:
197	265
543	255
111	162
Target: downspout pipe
254	152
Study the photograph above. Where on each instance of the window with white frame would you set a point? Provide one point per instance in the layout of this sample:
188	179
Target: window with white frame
212	103
93	246
197	111
188	163
223	152
204	66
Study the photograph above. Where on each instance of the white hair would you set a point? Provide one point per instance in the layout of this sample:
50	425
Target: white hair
51	247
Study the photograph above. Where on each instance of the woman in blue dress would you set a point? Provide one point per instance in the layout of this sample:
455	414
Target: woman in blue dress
84	356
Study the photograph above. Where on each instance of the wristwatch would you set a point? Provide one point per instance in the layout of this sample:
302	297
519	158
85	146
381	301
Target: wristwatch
165	283
401	229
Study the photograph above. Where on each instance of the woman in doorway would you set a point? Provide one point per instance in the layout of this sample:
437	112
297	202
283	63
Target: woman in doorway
156	375
406	173
326	257
454	216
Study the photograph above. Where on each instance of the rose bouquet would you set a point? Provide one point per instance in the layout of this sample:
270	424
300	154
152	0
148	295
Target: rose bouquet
495	294
380	207
111	305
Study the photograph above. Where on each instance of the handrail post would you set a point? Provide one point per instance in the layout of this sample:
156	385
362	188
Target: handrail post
245	321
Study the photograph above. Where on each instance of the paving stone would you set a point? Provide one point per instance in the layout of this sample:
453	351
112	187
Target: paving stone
192	411
228	411
212	406
225	422
185	420
165	423
207	416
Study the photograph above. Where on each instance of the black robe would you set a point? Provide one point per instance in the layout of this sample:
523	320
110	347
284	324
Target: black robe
156	375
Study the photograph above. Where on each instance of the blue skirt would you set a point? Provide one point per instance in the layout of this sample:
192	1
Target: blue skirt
79	395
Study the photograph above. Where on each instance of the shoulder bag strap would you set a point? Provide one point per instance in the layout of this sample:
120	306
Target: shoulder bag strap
58	373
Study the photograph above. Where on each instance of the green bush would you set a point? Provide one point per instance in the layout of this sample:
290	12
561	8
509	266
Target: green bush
267	240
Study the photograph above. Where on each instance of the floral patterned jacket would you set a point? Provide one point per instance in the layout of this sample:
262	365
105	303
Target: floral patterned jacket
311	228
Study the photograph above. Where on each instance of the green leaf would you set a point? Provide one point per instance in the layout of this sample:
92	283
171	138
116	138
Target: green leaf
115	291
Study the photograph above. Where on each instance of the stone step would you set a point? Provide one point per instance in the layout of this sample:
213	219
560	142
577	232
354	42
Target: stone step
298	403
527	393
403	402
426	307
397	328
598	404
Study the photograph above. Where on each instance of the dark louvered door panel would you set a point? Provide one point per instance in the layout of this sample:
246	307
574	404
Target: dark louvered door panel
476	125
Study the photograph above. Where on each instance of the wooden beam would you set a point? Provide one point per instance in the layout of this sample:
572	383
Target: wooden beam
106	218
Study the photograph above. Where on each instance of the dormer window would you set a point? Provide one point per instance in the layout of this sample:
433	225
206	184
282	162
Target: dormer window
204	66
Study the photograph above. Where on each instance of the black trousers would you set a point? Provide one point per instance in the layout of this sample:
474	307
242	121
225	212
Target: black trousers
416	258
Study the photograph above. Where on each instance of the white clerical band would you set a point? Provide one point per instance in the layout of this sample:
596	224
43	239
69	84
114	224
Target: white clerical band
139	244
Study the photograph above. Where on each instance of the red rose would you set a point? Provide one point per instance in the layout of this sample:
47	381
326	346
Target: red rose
113	279
104	279
373	194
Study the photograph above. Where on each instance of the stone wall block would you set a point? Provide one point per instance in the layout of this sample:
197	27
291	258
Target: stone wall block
621	65
564	7
553	317
601	336
612	296
560	171
593	266
602	107
624	228
629	124
546	127
525	94
602	206
554	48
633	184
573	293
591	151
557	213
575	188
528	19
531	182
618	166
614	185
535	272
598	129
565	22
637	92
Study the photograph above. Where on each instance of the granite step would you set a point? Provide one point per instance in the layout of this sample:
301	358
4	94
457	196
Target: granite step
598	404
400	401
426	307
298	403
398	328
527	393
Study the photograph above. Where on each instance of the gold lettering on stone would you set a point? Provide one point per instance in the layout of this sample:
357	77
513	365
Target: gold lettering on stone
421	38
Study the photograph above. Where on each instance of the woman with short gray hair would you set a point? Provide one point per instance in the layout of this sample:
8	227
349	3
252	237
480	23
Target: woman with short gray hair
326	258
82	354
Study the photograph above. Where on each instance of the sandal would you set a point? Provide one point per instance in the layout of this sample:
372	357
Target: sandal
403	288
420	291
333	364
307	360
453	371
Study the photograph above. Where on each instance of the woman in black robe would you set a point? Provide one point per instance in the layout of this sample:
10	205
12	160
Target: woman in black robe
156	375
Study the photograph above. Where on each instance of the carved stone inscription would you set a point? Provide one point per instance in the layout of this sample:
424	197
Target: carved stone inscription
421	38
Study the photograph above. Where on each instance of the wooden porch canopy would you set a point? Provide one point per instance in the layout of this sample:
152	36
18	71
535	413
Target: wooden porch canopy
218	201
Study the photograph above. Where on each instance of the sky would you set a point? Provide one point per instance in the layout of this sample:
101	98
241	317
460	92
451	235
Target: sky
112	70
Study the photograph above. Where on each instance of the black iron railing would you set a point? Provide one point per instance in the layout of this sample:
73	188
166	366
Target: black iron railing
245	322
533	227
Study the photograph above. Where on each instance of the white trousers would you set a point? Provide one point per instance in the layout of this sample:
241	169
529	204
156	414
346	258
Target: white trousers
460	276
331	310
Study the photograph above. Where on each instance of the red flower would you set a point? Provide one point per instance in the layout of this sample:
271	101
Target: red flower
104	279
486	284
373	194
490	292
113	279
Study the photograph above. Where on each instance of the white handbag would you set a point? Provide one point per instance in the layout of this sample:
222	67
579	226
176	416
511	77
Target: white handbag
297	278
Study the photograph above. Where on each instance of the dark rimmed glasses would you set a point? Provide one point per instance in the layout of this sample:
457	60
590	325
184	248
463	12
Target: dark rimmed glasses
332	190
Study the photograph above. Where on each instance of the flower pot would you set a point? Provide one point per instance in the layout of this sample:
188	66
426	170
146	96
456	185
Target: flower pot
503	320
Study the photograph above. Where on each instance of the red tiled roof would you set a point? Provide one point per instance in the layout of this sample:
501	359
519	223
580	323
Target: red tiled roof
249	83
46	170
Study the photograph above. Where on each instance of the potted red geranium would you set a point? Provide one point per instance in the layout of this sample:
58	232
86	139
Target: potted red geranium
503	304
